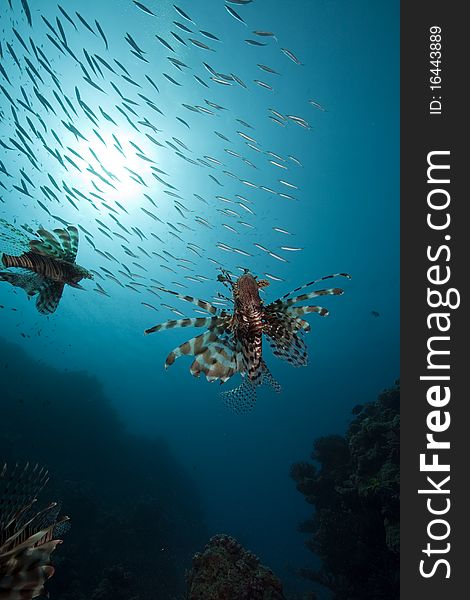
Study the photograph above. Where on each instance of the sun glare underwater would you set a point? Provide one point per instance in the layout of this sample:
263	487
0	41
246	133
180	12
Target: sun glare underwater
194	165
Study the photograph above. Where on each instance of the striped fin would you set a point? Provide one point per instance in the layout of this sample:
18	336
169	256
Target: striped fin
47	245
192	347
310	283
304	310
49	297
217	362
291	348
62	245
195	322
69	241
40	524
308	296
26	536
286	343
73	232
32	527
201	303
301	323
27	572
221	360
215	350
65	243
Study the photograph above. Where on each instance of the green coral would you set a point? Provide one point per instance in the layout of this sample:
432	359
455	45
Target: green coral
355	492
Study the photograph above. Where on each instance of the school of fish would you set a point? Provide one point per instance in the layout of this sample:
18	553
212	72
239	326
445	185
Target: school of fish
101	131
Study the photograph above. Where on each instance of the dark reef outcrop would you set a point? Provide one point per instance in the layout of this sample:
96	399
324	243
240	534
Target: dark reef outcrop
226	571
135	514
354	488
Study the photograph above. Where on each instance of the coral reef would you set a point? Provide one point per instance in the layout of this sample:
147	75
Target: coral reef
135	512
355	492
226	571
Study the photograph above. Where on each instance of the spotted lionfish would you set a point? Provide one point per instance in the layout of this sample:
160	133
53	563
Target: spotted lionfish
27	535
233	341
42	265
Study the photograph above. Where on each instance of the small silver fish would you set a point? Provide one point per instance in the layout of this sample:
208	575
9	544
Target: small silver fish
277	257
291	55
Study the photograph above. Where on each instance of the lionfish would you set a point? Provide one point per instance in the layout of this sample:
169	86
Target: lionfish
233	341
27	535
42	265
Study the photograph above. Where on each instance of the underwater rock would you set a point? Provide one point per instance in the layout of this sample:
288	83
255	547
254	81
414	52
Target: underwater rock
28	535
136	512
117	583
226	571
355	493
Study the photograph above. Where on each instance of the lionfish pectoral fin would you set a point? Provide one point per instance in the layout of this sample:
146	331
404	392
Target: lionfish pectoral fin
304	310
77	286
297	311
196	301
49	297
217	362
308	296
283	329
315	281
194	322
214	352
32	570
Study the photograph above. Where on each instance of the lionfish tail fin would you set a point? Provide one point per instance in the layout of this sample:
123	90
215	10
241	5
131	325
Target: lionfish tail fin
242	399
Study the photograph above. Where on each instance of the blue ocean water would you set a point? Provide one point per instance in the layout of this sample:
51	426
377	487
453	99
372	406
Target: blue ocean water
341	212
